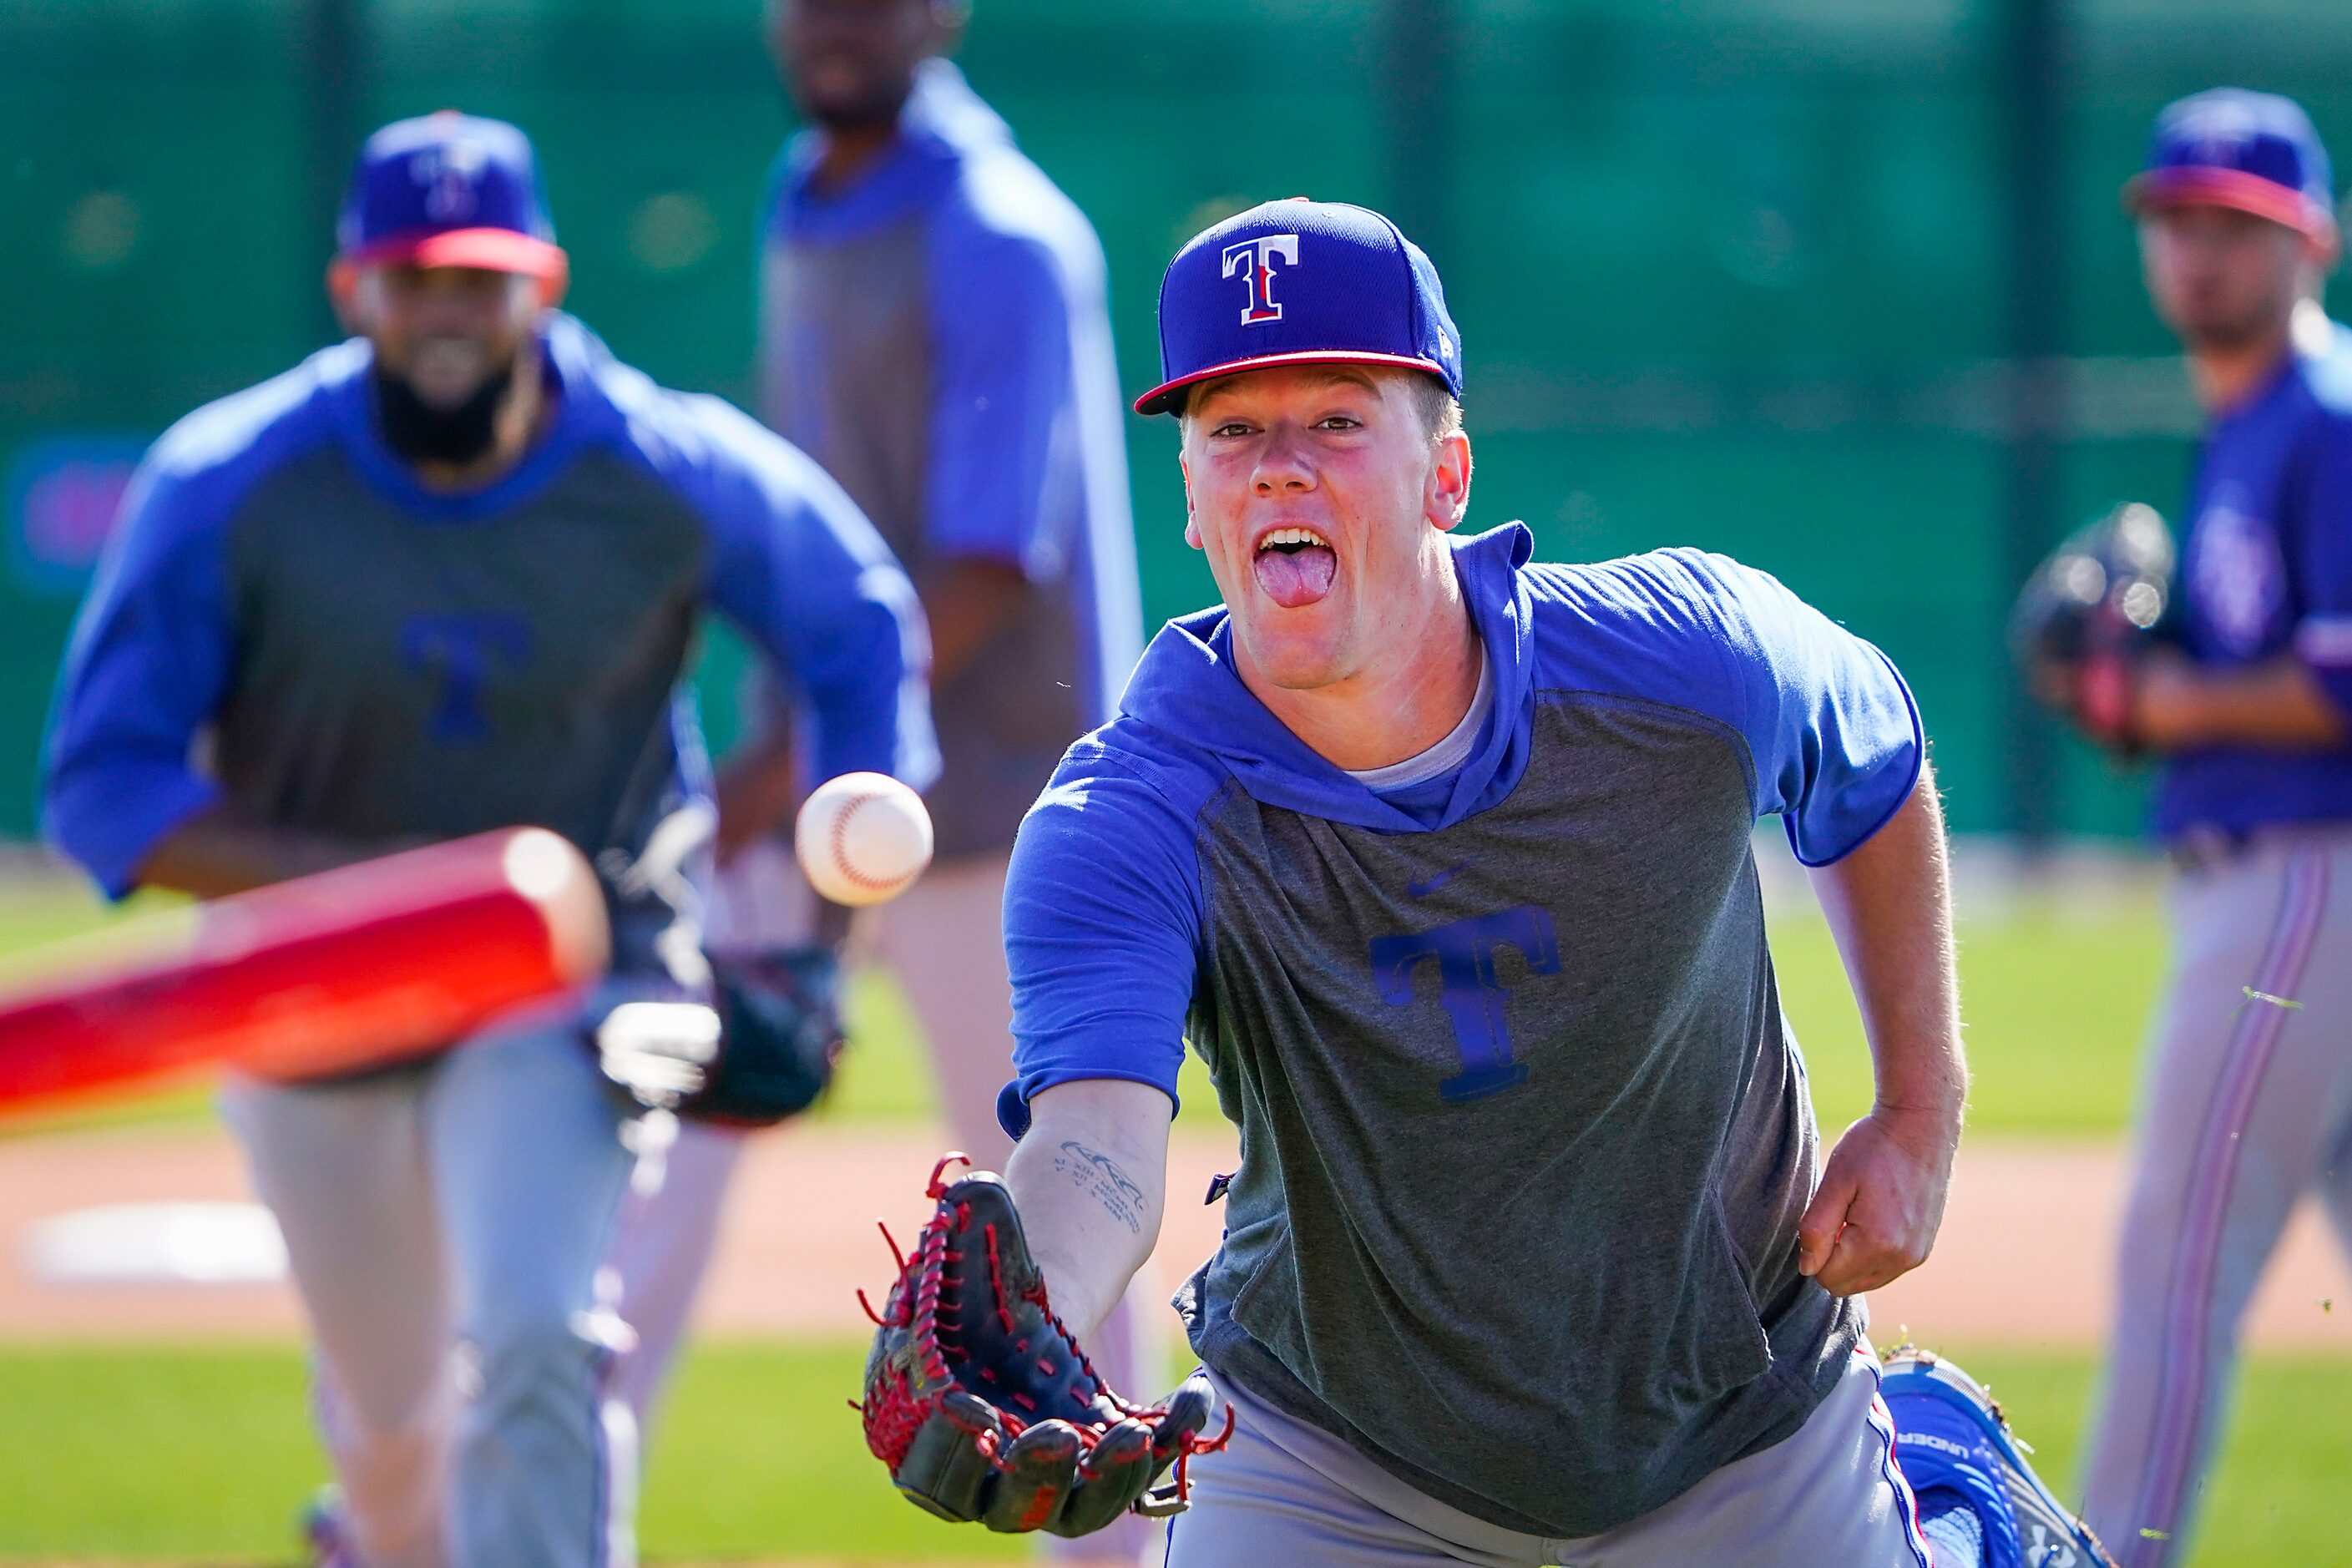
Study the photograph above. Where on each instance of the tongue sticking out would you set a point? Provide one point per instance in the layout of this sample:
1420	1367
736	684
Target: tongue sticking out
1296	574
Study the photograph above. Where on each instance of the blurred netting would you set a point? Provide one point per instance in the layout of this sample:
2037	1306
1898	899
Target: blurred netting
1739	273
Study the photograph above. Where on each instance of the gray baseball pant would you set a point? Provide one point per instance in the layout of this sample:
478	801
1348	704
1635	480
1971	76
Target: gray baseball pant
1285	1492
2245	1106
445	1227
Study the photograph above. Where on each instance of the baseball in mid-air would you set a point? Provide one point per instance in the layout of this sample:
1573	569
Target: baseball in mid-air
863	838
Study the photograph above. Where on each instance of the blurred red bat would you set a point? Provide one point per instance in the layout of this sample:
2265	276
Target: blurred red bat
355	968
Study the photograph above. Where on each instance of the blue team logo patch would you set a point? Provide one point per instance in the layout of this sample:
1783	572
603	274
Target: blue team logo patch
2216	130
2237	573
1474	999
64	495
1253	260
459	652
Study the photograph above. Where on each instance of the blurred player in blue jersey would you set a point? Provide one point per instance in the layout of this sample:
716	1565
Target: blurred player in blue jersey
2247	1102
442	578
936	333
1441	858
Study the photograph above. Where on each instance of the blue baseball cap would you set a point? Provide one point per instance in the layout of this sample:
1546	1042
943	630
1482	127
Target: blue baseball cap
1300	282
2254	152
448	190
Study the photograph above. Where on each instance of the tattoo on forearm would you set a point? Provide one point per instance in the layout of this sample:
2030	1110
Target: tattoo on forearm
1098	1176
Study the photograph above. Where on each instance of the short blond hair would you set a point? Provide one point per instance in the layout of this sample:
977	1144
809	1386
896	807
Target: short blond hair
1441	411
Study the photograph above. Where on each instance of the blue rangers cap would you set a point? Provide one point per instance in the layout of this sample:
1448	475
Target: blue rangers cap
2254	152
1300	282
448	190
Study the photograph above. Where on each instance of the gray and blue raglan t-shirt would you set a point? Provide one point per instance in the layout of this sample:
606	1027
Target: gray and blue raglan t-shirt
367	658
1524	1138
937	334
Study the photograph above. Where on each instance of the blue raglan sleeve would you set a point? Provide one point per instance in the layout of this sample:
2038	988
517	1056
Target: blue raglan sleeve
1103	926
147	667
798	569
1003	424
1832	728
773	361
2320	539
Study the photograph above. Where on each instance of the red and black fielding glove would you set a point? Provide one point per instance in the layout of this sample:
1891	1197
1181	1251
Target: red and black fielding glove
983	1407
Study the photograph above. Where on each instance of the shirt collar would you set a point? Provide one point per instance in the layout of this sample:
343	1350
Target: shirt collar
1186	687
1444	759
2272	389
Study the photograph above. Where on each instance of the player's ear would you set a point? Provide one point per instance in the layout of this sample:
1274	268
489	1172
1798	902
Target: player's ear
342	292
1447	499
1191	517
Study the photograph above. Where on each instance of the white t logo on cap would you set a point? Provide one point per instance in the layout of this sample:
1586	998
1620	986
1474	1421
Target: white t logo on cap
1254	259
449	172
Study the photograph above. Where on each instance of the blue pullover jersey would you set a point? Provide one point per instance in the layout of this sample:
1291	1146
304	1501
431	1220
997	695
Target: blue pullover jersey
287	619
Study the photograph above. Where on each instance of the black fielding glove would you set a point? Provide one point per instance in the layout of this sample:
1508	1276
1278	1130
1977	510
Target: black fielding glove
2089	616
763	1054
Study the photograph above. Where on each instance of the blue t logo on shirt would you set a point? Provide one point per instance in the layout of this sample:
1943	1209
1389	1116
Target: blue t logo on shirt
458	650
1472	994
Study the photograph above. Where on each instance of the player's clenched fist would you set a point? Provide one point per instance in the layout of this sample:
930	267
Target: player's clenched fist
984	1407
1875	1216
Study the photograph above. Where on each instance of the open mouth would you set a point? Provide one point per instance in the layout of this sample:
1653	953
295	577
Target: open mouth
1295	566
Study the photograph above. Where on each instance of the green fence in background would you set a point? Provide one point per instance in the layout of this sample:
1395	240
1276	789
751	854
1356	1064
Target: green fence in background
1750	274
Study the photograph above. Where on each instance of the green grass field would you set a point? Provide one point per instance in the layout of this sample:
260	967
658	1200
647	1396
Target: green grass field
2056	1004
200	1456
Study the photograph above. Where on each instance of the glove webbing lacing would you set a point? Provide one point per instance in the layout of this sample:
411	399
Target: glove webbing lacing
892	1430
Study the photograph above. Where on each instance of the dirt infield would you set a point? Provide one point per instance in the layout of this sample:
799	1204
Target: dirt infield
2024	1257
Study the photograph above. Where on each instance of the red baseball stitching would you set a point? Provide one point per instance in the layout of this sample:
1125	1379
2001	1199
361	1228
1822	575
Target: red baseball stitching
850	873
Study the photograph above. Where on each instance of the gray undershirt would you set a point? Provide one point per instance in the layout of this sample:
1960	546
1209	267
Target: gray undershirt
1445	757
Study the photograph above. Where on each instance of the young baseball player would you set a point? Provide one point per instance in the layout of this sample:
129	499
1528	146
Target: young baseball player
442	578
2247	1103
935	332
1441	859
